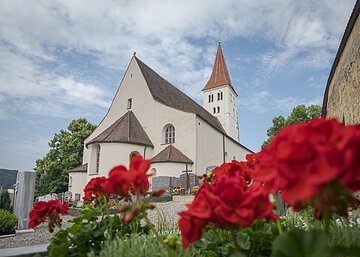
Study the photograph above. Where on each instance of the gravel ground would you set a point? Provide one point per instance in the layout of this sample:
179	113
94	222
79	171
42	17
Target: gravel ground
164	212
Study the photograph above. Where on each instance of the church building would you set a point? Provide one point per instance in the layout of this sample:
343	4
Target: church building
151	117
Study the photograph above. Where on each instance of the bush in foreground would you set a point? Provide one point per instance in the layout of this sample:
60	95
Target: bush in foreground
8	223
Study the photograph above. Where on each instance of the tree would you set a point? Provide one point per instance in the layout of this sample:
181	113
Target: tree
66	151
300	113
5	202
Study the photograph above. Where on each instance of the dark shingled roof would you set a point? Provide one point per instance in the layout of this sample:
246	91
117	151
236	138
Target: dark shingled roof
349	27
167	94
81	168
127	129
171	154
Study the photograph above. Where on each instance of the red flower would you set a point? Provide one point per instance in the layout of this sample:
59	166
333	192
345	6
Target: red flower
121	180
94	189
305	157
51	209
228	202
139	180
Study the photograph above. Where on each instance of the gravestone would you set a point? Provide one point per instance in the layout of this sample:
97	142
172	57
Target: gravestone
189	180
54	196
161	182
24	197
47	198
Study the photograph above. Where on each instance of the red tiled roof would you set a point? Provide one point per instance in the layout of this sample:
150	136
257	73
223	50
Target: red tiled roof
220	75
171	154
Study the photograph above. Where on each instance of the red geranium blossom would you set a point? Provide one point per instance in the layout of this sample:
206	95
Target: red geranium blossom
228	202
94	188
303	158
51	209
121	181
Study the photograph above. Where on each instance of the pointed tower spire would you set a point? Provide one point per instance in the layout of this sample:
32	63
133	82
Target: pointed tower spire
220	75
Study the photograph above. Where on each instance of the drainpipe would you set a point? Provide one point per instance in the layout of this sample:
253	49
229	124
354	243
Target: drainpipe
144	152
223	148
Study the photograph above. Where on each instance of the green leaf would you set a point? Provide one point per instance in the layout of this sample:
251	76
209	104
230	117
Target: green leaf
243	240
301	244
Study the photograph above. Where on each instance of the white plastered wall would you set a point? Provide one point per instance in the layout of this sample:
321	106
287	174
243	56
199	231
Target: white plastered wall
152	115
227	116
170	169
78	182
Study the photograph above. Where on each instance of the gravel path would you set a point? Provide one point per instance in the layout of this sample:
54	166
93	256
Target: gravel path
164	212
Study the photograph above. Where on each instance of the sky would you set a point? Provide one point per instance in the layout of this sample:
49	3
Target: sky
62	60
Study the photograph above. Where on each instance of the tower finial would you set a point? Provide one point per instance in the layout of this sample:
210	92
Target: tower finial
134	53
219	43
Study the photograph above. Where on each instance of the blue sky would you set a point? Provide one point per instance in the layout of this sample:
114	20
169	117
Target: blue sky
61	60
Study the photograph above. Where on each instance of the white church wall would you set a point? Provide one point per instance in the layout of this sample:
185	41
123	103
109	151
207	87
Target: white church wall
170	169
77	182
209	146
227	112
132	86
234	151
152	115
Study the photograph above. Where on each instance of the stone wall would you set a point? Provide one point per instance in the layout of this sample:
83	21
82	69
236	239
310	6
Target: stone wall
344	91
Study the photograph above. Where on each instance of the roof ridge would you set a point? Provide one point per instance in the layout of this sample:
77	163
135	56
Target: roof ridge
174	103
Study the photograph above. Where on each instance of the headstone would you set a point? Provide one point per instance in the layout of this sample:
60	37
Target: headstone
175	182
54	196
161	182
41	198
193	180
47	198
68	196
24	197
77	197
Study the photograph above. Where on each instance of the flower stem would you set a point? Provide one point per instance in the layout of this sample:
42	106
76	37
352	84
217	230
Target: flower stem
278	223
158	237
326	220
237	247
307	218
347	231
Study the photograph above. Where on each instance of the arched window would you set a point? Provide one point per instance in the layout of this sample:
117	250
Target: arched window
133	154
169	134
153	171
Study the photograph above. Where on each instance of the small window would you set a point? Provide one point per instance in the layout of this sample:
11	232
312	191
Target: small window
169	134
97	160
129	103
214	110
218	109
209	98
70	181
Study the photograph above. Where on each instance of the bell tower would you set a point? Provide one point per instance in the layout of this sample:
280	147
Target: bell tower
220	97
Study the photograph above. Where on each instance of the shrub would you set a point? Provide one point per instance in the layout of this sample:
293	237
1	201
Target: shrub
5	202
8	223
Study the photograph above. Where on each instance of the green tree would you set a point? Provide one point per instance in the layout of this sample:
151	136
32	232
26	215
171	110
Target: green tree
5	202
66	151
300	113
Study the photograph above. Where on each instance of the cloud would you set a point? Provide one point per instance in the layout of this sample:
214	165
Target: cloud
165	34
264	101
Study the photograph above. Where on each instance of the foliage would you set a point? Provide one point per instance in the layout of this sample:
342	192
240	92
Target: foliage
253	241
8	222
66	151
89	231
300	113
5	201
144	245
